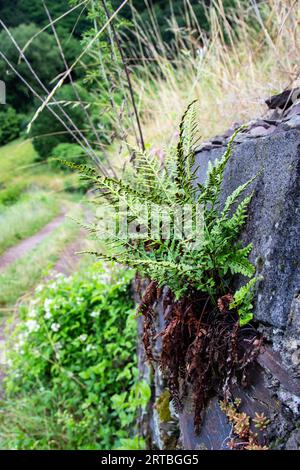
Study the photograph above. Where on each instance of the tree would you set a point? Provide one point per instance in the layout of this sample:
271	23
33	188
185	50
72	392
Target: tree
44	57
32	11
48	132
10	125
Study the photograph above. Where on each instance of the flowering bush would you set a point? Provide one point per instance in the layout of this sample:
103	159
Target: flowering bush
72	379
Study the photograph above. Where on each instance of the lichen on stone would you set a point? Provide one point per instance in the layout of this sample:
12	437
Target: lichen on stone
162	406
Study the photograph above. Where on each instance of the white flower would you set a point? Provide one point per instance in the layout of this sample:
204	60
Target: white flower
90	347
32	313
39	288
47	307
95	314
55	327
32	325
22	336
57	346
105	278
47	304
83	337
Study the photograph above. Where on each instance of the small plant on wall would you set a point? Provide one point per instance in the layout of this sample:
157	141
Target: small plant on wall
177	234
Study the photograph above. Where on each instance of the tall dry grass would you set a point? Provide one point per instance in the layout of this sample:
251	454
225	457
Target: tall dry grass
247	57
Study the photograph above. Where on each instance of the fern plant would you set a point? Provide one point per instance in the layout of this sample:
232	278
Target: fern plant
242	301
210	255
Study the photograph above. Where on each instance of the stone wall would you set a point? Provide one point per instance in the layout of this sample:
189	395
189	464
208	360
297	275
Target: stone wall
273	227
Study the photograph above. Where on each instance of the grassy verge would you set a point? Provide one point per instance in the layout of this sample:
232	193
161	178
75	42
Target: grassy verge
20	172
16	156
26	272
25	218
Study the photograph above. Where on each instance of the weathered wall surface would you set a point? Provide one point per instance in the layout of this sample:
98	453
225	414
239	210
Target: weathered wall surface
274	215
273	227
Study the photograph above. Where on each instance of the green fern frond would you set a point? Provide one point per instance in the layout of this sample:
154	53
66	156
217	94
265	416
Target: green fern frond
136	263
216	173
189	129
241	266
243	292
239	217
84	170
242	301
235	195
185	154
152	179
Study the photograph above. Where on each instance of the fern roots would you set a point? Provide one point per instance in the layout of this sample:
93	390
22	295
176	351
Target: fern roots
203	351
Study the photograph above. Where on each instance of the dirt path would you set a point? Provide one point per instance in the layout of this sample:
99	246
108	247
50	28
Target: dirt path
69	259
17	251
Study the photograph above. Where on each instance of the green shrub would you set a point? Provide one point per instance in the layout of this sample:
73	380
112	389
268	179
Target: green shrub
10	125
66	151
43	55
48	132
72	379
71	153
11	194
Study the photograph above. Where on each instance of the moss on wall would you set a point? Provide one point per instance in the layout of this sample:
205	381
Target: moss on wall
162	406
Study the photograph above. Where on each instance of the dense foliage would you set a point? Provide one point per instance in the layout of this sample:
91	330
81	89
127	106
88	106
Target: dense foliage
10	125
43	56
32	11
66	151
73	381
161	14
48	132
